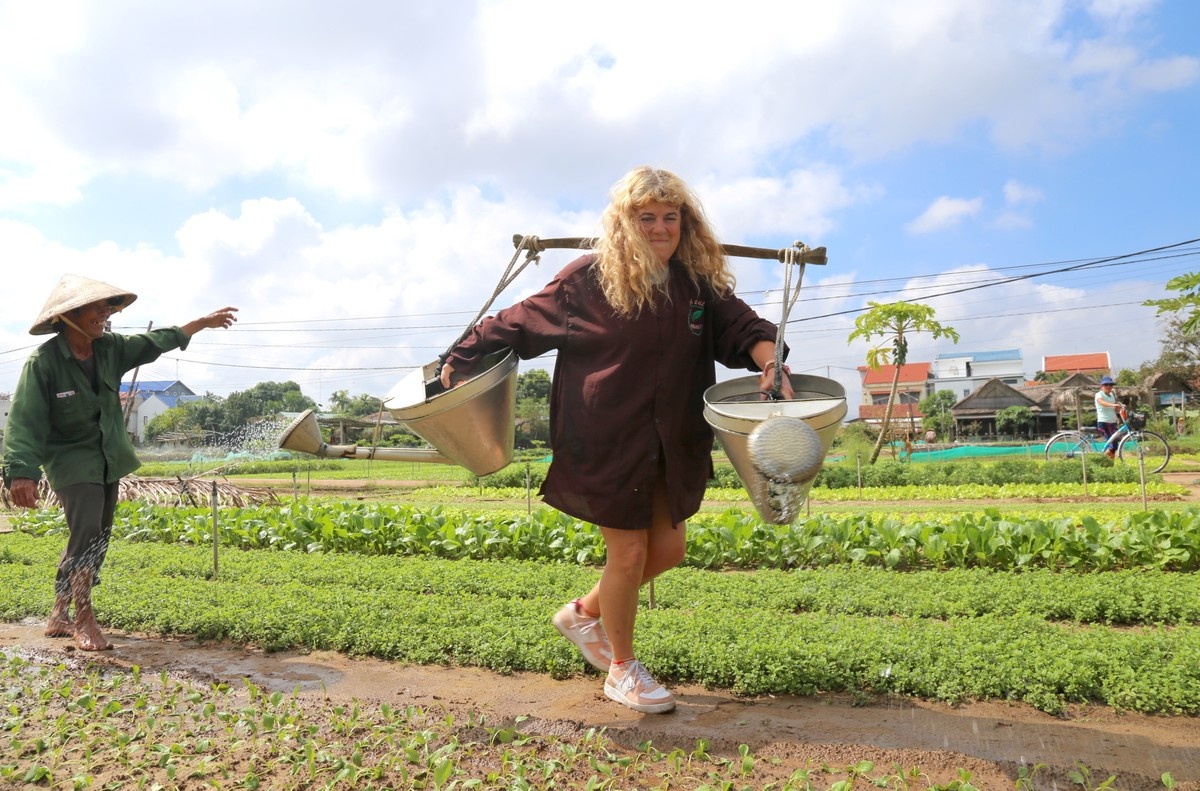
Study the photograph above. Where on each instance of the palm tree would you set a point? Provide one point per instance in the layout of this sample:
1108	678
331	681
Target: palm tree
891	323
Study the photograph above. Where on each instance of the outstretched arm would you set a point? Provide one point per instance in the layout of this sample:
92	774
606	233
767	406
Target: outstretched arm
218	318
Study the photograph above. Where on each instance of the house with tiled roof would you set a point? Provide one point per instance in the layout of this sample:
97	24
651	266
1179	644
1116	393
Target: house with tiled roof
1056	402
915	383
1094	364
975	415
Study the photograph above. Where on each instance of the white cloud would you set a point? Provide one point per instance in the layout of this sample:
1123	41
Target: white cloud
1118	10
383	296
943	213
1016	193
1168	74
1017	196
380	156
1012	221
385	102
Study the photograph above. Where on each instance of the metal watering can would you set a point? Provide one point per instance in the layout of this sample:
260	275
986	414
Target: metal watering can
472	425
776	447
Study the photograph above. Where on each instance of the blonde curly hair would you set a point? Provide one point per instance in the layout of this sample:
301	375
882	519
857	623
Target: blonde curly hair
629	271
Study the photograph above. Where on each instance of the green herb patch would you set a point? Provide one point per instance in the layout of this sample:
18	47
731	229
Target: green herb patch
1045	638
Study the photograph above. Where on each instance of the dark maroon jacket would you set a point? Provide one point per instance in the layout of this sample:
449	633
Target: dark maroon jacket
625	390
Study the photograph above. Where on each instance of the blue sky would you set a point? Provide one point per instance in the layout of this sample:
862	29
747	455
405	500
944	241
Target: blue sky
350	176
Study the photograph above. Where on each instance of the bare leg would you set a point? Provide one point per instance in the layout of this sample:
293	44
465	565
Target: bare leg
88	635
59	624
634	558
617	591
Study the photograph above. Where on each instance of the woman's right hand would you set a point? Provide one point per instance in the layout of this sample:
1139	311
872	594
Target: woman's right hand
447	371
766	382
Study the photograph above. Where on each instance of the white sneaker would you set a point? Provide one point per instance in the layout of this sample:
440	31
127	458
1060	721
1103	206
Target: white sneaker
629	683
587	634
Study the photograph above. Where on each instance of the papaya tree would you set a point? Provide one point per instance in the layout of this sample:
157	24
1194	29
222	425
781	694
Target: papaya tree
891	324
1187	304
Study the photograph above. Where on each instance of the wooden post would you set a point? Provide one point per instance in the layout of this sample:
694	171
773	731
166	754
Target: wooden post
1142	474
216	540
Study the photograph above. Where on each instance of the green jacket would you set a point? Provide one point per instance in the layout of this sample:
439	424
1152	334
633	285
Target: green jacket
59	424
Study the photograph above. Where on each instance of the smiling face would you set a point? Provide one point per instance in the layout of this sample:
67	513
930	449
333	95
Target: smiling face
661	224
92	318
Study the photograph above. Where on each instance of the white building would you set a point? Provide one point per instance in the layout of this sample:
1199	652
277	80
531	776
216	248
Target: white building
963	372
152	407
150	400
5	408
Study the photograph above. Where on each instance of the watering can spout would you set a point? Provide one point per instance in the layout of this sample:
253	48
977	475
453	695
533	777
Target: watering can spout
304	436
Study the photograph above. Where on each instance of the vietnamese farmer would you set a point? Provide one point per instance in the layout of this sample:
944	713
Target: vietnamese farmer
66	419
637	327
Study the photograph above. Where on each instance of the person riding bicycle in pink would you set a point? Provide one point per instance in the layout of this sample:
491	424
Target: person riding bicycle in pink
1110	413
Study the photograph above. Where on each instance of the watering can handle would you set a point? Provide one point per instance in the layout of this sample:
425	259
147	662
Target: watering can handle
814	256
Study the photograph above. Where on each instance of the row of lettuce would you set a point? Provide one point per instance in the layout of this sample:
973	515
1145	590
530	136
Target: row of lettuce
733	539
893	473
833	475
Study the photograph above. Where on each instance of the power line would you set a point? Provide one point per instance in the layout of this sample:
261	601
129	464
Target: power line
965	283
1006	281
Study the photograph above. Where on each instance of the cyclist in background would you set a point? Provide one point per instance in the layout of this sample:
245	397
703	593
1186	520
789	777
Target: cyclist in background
1108	409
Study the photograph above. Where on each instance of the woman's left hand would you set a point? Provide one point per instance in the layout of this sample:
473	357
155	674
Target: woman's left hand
766	382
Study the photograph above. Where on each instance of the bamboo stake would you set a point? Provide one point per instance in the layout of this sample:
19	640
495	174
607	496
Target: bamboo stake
216	541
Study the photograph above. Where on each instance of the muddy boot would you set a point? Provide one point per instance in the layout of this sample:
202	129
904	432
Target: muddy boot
59	624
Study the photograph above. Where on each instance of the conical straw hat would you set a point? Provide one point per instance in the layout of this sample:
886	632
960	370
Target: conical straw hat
75	291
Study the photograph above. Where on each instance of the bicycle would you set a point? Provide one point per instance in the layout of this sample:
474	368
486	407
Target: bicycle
1132	442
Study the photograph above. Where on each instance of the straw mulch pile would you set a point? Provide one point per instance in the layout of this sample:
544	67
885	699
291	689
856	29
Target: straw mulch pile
171	491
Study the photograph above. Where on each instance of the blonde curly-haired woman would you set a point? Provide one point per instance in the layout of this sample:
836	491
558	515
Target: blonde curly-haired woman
638	326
